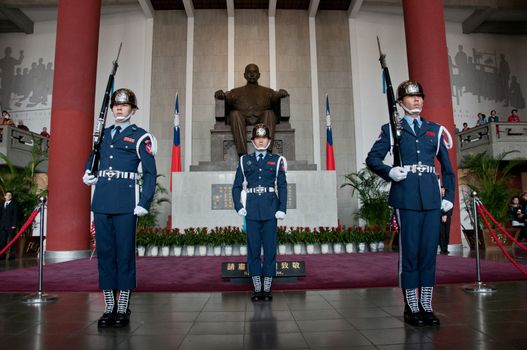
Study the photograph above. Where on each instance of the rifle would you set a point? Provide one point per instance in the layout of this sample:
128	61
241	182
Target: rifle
395	124
101	121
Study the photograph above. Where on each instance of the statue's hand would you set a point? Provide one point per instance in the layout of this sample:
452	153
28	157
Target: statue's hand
283	93
220	95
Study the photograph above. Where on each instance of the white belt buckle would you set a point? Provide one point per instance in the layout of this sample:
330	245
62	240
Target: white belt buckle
111	173
421	168
259	189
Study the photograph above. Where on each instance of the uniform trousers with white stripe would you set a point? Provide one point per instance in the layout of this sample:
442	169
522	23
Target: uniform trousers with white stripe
115	244
418	238
261	232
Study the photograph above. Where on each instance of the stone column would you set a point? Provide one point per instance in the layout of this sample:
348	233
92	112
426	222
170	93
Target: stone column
72	116
427	53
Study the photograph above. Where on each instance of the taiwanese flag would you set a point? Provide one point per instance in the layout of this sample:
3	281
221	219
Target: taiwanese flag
176	147
330	156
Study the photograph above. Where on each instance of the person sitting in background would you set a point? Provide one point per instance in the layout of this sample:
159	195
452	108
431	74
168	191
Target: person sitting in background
517	216
22	126
482	119
514	117
6	119
465	127
493	117
44	132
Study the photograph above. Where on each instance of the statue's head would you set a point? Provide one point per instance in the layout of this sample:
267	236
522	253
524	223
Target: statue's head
252	73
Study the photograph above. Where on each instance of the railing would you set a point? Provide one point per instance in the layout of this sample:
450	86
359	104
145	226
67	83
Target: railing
493	138
17	145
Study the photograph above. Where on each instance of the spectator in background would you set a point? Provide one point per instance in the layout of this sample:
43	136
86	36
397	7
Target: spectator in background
493	117
514	117
465	127
22	126
482	119
6	119
517	216
44	132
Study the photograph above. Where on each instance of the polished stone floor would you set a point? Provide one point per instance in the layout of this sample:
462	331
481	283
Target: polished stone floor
334	319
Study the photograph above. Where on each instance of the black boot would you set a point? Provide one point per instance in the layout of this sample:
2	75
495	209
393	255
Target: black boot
122	318
257	296
412	316
427	314
108	317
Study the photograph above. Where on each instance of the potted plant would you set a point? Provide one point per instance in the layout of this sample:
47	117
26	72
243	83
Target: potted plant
283	238
142	241
228	240
308	238
362	240
490	178
203	240
373	196
296	240
216	241
191	239
241	240
350	240
165	241
177	242
324	238
338	234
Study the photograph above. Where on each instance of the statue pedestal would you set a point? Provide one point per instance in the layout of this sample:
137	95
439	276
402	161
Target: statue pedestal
203	199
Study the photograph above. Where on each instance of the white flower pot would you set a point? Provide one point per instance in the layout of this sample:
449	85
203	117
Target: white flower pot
282	249
297	248
324	248
337	248
310	248
176	250
228	250
351	248
243	250
217	250
165	251
373	246
202	249
153	251
141	250
190	250
362	247
380	246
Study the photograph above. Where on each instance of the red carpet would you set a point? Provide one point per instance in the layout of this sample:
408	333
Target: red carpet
199	274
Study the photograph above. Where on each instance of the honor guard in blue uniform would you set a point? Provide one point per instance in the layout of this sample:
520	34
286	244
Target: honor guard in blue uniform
415	195
259	193
117	202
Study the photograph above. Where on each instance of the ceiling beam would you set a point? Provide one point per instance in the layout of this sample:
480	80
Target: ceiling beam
189	7
313	8
475	20
147	7
354	8
230	8
272	8
19	19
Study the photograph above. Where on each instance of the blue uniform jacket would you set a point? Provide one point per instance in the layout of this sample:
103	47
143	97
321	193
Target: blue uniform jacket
419	191
118	195
261	206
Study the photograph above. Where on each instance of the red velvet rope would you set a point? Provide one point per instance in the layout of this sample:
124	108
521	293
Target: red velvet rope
500	245
511	237
22	230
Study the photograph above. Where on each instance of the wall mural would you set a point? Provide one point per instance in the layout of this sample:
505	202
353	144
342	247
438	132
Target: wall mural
486	76
24	86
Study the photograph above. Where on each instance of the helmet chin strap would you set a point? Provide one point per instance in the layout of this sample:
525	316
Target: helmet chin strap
261	149
410	111
125	118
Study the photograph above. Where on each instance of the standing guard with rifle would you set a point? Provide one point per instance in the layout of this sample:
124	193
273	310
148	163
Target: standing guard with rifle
117	201
415	193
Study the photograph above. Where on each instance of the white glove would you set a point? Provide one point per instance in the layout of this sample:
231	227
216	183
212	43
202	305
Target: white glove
446	205
280	215
398	174
242	212
140	211
89	179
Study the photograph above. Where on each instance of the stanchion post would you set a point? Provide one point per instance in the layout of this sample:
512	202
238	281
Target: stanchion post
477	287
40	297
